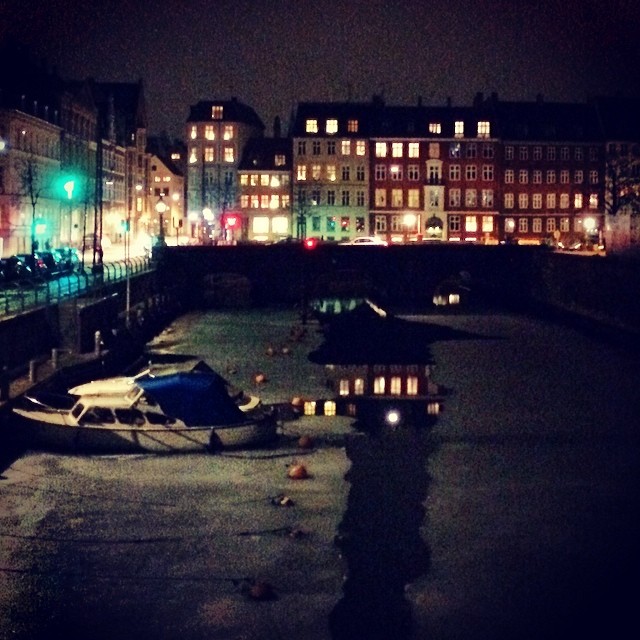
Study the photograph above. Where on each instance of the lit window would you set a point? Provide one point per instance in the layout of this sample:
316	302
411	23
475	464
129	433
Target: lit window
264	201
352	126
435	127
228	132
361	148
484	129
274	183
255	202
217	112
412	385
487	224
381	149
395	172
312	126
279	160
434	150
331	172
301	173
413	198
194	132
244	201
459	129
209	132
345	147
209	155
332	126
344	387
551	200
577	201
414	150
358	386
537	225
396	198
229	155
564	200
280	225
523	200
244	179
395	385
378	385
193	155
380	197
470	224
316	170
593	201
260	224
396	149
537	201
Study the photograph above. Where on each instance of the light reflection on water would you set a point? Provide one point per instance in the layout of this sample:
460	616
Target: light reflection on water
379	536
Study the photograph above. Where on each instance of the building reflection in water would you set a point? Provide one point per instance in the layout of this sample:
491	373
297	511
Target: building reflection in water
379	536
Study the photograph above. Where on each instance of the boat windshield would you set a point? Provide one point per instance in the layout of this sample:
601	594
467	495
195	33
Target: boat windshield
77	410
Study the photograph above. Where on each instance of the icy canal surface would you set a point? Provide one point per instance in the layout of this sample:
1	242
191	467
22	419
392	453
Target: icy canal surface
529	484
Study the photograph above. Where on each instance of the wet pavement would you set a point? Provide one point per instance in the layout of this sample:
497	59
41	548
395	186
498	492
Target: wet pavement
515	516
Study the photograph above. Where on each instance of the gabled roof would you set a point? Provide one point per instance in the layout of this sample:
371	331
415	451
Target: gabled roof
125	103
413	121
548	121
343	112
232	111
260	155
619	118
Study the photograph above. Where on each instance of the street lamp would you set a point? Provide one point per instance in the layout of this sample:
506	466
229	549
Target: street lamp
161	208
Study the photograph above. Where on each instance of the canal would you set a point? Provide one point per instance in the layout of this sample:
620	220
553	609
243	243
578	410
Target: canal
514	516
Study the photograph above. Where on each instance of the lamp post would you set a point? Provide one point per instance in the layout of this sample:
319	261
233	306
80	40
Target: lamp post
161	208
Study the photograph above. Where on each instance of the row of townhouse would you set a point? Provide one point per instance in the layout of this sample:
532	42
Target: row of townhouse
494	171
75	167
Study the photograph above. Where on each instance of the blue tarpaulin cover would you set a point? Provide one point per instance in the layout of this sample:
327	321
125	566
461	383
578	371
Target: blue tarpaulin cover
197	398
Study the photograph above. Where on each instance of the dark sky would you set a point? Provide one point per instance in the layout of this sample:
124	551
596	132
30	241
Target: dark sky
273	53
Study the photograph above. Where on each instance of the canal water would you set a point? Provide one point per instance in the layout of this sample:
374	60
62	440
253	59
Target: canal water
516	515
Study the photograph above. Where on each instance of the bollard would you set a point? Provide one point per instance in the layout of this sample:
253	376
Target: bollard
5	383
54	358
33	370
97	342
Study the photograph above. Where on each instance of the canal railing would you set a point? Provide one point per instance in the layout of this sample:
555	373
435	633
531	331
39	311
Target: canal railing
26	294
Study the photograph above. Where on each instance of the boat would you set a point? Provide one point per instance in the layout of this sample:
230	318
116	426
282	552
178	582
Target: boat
160	364
176	412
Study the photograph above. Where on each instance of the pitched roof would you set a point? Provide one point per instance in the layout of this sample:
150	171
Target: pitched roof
260	154
232	111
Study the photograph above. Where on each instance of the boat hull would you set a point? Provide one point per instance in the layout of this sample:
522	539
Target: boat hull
58	435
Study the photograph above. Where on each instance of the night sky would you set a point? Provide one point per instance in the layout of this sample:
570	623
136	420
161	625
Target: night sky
271	54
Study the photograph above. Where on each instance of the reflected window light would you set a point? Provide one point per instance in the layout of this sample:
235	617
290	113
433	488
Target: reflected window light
310	408
395	385
344	387
358	386
378	385
412	385
329	408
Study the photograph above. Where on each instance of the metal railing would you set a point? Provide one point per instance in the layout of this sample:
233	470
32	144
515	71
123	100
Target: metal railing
18	297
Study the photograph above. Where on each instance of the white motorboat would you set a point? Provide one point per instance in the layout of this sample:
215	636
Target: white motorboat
184	411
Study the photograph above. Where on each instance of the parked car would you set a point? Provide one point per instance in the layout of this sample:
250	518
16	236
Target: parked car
52	262
368	240
36	264
68	259
14	270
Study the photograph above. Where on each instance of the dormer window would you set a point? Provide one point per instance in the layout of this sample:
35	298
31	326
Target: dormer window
458	130
217	112
435	127
332	126
312	126
352	126
484	129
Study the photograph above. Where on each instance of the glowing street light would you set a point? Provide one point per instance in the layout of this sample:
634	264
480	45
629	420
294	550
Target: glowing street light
161	208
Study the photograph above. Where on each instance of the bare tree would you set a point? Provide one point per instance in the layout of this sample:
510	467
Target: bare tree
30	186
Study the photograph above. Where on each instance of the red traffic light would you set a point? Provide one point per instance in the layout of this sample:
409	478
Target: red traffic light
310	243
